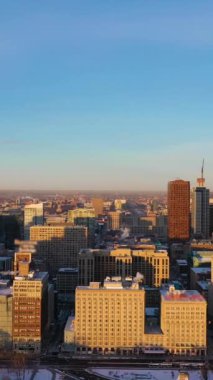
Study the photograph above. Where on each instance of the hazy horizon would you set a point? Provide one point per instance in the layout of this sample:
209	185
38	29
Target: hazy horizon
105	95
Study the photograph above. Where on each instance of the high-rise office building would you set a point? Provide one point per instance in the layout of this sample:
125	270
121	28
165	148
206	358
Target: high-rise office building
114	220
98	205
97	264
179	210
211	219
30	307
33	215
200	209
58	246
84	217
80	213
66	282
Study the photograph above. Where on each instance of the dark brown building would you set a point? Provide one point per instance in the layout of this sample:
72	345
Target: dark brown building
179	210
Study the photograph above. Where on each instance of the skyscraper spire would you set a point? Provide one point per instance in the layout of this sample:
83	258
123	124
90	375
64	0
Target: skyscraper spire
202	169
201	180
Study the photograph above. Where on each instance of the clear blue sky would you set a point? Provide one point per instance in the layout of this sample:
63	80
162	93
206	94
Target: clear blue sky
105	94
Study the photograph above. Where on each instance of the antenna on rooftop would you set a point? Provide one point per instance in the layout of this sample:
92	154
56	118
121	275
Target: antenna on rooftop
201	180
202	169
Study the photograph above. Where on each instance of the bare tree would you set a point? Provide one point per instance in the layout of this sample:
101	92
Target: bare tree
19	364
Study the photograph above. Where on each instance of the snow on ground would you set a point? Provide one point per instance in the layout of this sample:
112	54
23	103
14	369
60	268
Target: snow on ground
28	374
144	374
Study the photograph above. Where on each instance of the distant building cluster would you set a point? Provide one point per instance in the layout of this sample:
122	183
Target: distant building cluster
117	275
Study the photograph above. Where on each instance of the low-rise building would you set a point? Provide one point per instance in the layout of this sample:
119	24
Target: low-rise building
110	318
199	274
183	321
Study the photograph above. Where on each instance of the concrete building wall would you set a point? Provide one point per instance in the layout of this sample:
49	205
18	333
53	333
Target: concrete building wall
80	213
58	246
30	312
183	322
5	318
114	220
95	265
109	319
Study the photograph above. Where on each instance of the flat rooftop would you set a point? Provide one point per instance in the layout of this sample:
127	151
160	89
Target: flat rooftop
205	253
124	251
152	311
68	270
68	226
6	292
69	324
154	329
4	258
182	296
201	270
113	285
33	276
34	205
181	262
204	285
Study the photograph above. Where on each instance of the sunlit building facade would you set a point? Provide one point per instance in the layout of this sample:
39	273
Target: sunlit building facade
110	318
183	322
114	220
80	213
179	210
98	205
96	265
30	311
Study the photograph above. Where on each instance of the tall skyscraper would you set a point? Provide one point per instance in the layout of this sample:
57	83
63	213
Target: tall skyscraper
210	219
179	210
33	215
200	209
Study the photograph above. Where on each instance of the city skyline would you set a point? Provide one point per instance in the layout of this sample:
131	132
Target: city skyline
105	95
